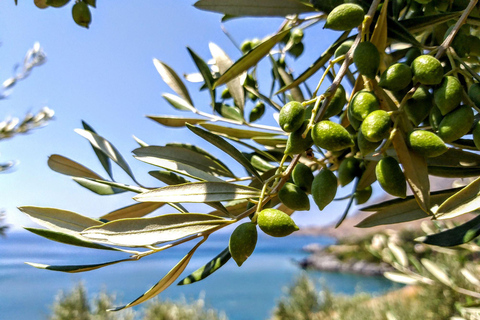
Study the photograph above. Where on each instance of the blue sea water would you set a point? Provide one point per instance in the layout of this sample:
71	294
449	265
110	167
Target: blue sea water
249	292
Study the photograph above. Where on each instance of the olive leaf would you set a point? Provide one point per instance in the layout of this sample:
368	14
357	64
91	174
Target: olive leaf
148	155
251	58
234	84
140	232
464	201
203	272
165	282
287	78
74	240
168	177
77	268
419	24
455	236
107	148
199	192
276	8
136	210
96	187
437	272
225	147
235	132
174	121
172	80
400	277
202	66
178	102
59	220
104	160
69	167
401	210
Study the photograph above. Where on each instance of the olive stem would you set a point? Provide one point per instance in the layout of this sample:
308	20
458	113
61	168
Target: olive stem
313	116
448	40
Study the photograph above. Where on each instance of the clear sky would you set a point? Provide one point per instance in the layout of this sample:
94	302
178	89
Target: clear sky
105	76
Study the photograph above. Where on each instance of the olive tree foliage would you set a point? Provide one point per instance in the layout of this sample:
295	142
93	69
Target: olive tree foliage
396	136
13	126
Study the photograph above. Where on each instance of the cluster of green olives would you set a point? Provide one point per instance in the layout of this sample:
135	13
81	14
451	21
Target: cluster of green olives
80	11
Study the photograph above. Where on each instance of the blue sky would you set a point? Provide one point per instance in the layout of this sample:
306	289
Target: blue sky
106	77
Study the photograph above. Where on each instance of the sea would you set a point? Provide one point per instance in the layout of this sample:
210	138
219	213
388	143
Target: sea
247	292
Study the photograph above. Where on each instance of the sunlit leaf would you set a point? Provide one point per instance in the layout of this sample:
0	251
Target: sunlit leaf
319	63
168	177
455	236
226	147
144	154
470	277
401	210
174	121
235	132
107	148
278	141
69	167
234	84
400	277
251	58
230	112
165	282
178	102
59	220
279	8
399	254
206	270
172	80
136	210
98	187
437	272
187	156
139	232
78	268
70	239
199	192
464	201
104	160
234	208
288	79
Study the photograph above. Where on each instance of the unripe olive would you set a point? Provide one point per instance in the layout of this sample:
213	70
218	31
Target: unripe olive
42	4
419	105
426	143
276	223
397	77
366	147
293	197
57	3
345	17
302	176
354	122
348	170
257	112
296	50
367	59
297	35
376	126
412	54
246	46
456	124
390	177
362	104
331	136
337	103
427	70
343	48
296	144
242	242
362	196
226	94
474	93
291	116
448	95
324	188
81	14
